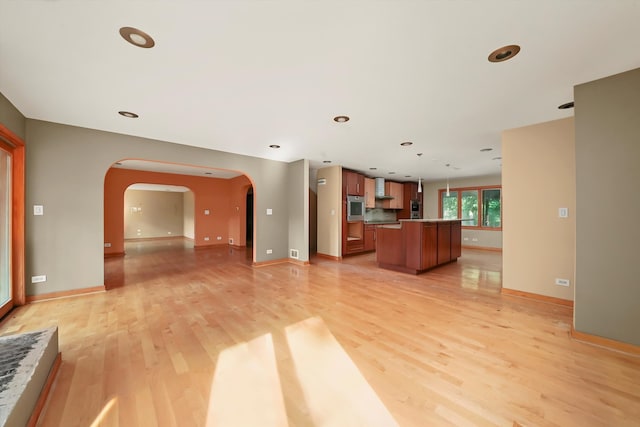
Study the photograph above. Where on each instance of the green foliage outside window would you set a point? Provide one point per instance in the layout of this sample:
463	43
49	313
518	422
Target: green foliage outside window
491	208
477	207
450	205
469	209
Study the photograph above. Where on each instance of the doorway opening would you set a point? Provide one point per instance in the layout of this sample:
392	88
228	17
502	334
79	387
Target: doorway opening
249	218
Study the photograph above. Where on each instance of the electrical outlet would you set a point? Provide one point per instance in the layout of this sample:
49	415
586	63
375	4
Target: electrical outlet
563	282
107	245
294	253
219	238
206	239
269	251
38	279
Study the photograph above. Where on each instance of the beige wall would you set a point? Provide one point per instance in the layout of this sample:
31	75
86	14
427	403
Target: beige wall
330	212
188	205
298	188
150	214
538	178
478	238
607	177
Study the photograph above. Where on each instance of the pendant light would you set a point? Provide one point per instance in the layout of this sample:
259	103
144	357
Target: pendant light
419	185
448	193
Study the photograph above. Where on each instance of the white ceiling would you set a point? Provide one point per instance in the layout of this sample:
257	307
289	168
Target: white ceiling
175	168
158	187
240	75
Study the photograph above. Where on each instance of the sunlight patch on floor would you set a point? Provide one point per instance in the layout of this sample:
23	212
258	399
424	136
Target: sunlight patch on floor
246	387
336	392
247	390
108	415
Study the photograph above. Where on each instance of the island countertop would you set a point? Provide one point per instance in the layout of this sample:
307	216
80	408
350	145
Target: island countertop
417	245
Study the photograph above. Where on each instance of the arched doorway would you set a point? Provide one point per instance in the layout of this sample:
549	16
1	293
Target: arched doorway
218	216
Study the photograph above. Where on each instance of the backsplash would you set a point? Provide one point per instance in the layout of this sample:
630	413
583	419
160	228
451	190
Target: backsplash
380	215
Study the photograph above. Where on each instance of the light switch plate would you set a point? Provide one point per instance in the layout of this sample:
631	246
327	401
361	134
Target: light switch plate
38	210
563	212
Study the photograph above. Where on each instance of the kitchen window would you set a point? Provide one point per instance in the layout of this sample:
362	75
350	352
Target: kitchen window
478	207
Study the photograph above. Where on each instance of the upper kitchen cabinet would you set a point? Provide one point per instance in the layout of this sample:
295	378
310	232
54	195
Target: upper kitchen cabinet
411	196
395	190
411	192
353	183
369	193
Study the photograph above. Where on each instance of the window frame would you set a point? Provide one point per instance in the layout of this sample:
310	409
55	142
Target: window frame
480	190
13	144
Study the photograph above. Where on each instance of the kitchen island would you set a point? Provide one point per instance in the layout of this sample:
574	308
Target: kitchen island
417	245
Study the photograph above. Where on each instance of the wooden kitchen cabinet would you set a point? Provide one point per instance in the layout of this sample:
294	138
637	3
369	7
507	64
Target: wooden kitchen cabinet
429	246
456	240
410	192
417	246
353	183
444	242
354	238
423	238
352	232
395	190
369	193
369	237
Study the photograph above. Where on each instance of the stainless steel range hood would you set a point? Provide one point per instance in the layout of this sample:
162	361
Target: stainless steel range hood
380	190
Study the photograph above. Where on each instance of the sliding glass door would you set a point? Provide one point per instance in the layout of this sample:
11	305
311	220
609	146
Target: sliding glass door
5	231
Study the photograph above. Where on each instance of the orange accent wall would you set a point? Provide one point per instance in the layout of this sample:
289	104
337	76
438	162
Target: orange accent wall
219	196
238	207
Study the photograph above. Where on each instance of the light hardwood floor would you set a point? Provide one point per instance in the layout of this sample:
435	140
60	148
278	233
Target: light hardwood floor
193	338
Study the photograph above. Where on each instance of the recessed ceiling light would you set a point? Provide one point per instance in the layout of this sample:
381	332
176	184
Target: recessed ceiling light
566	105
128	114
484	150
208	173
373	169
406	143
274	146
407	176
497	158
136	37
118	164
341	119
326	161
504	53
392	173
419	154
